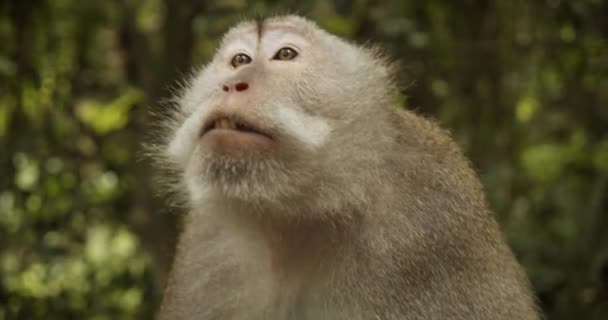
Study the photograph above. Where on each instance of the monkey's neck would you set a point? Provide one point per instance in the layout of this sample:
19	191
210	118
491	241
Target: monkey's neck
291	246
303	246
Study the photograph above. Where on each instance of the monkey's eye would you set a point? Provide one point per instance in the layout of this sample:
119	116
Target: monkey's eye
285	54
240	59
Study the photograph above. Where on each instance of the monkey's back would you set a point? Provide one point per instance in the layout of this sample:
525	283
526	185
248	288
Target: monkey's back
435	250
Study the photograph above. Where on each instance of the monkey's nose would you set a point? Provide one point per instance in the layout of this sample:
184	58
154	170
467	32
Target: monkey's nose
240	86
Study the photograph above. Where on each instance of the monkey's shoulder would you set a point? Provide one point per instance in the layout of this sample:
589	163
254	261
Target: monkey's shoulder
431	160
412	130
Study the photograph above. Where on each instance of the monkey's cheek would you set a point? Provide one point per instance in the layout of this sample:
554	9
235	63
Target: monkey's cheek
237	143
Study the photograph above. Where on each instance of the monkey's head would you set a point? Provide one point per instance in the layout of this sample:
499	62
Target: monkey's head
284	110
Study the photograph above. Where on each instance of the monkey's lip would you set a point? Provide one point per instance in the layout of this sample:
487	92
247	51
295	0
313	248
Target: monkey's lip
232	122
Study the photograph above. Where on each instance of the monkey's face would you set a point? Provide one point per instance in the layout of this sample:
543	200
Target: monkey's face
258	115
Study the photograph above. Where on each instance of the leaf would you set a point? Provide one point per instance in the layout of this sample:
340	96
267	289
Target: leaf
105	118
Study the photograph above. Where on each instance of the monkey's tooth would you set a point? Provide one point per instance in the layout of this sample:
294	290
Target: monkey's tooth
231	124
222	124
225	124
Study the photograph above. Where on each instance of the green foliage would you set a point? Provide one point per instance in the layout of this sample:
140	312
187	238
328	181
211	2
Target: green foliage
104	118
523	85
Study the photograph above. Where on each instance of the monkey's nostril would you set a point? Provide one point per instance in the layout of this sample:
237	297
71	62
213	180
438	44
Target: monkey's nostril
225	88
241	86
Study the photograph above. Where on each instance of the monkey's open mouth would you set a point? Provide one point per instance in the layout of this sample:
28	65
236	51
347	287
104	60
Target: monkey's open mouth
231	122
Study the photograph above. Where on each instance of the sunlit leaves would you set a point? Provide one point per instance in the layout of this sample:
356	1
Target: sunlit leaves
102	186
107	247
567	33
6	105
526	108
11	218
339	25
108	253
61	184
106	117
440	87
149	16
600	157
546	162
28	172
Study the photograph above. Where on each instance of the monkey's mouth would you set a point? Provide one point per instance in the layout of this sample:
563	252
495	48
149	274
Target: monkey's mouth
232	123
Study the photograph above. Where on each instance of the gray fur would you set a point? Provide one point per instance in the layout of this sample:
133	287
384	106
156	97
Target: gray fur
384	220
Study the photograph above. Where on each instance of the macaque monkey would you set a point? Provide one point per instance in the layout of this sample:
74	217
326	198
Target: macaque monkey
311	197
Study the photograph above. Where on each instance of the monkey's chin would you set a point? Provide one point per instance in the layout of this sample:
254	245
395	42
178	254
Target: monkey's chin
253	177
245	165
237	143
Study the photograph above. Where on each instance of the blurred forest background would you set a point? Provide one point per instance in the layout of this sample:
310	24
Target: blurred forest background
522	84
